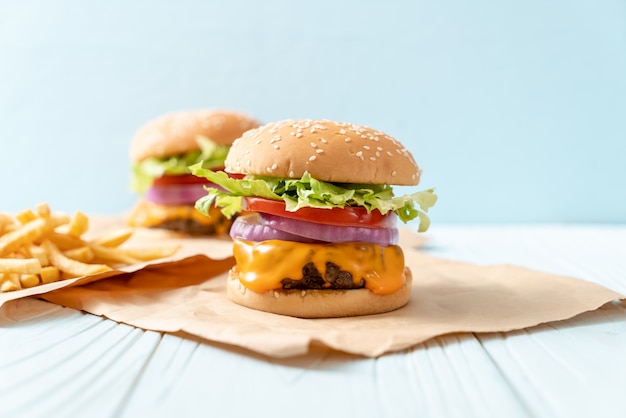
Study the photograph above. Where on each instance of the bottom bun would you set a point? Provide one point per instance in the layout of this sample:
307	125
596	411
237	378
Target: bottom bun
314	303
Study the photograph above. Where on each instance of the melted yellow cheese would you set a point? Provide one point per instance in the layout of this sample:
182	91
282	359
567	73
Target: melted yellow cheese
148	214
262	265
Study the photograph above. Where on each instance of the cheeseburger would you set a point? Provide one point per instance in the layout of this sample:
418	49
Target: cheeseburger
321	239
162	151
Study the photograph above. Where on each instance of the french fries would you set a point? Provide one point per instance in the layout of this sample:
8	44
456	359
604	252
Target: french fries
23	235
20	265
78	225
114	239
40	246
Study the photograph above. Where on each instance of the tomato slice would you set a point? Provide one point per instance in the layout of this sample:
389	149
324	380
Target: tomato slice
170	180
346	216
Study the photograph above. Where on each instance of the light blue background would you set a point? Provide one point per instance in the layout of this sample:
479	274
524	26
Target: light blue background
515	110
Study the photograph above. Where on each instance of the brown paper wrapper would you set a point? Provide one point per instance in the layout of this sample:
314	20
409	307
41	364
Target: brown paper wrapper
188	297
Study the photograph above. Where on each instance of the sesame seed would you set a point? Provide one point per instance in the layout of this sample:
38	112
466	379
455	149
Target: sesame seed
312	157
313	144
359	154
276	294
379	148
366	147
319	151
268	169
292	174
298	135
324	140
373	158
274	166
393	173
276	146
303	293
389	153
292	133
348	139
342	131
377	154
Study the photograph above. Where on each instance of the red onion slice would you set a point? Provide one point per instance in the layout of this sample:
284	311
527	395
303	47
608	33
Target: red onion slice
331	233
176	194
247	227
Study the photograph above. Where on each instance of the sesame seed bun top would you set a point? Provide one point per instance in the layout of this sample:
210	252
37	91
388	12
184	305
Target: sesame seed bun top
176	133
330	151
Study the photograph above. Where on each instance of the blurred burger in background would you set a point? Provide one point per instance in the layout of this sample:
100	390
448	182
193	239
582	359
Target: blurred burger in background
161	152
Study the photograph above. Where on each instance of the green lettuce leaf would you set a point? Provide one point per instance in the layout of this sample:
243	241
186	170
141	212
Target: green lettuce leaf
210	154
310	192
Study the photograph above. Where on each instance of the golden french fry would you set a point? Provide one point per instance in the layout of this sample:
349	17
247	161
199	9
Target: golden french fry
50	274
59	220
108	255
6	223
20	265
29	280
113	239
24	235
9	282
43	210
37	252
83	254
25	216
66	242
21	252
5	217
79	224
67	265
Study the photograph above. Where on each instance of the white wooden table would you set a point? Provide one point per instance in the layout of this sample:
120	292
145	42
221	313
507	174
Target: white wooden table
60	362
